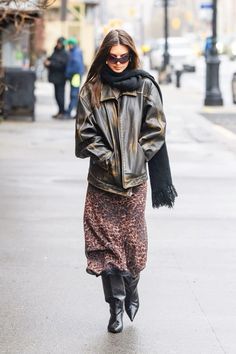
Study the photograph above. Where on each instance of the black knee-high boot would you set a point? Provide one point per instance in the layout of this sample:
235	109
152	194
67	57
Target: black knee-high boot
132	298
114	291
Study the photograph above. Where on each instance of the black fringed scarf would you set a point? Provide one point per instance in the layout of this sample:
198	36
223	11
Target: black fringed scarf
163	191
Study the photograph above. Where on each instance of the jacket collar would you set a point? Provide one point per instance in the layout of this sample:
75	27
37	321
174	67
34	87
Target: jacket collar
107	93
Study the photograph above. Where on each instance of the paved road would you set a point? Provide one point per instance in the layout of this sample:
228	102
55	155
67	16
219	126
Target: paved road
49	305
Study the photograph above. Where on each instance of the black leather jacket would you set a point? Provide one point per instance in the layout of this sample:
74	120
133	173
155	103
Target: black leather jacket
120	136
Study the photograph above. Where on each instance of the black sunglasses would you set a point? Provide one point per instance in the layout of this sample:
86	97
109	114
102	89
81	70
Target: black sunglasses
114	60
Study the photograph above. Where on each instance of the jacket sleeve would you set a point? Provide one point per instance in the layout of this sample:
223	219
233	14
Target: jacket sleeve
75	64
58	61
81	64
152	135
58	64
88	140
70	66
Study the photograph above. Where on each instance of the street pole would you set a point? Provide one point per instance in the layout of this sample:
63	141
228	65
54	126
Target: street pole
166	56
103	12
165	74
63	16
213	95
63	10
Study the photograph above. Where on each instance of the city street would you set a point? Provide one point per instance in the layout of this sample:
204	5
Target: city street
197	81
50	305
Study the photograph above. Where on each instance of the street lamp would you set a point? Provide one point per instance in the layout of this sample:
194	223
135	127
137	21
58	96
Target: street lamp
166	55
213	95
165	75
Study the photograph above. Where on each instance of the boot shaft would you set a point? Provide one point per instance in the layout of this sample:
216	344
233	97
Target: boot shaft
113	287
131	284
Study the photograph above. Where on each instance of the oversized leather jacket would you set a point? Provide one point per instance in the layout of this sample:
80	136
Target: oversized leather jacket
120	136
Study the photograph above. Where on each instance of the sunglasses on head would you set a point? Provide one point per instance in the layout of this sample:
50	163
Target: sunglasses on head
114	60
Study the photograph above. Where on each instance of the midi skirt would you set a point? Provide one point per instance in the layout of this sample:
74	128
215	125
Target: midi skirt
115	231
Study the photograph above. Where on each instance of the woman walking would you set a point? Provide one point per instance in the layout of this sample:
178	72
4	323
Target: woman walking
120	126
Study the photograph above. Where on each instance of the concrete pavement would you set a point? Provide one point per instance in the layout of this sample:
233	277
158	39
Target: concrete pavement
188	290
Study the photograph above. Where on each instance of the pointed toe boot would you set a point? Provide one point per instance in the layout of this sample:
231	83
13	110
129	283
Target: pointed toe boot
115	324
132	298
114	291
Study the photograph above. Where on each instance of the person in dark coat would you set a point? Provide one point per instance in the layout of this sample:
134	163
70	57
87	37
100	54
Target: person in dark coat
56	65
74	73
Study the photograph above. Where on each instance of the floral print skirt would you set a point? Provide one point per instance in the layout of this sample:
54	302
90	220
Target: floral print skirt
115	231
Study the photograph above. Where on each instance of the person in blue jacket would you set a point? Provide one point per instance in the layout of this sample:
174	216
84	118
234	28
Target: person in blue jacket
208	46
74	72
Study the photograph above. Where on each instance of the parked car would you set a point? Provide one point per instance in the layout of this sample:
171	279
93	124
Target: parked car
181	54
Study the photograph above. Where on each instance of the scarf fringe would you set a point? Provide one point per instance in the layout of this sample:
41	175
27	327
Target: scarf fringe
165	197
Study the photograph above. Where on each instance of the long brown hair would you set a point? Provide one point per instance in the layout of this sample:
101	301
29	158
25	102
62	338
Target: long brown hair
114	37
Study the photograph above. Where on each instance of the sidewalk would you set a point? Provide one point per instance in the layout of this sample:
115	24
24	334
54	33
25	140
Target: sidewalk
222	118
187	292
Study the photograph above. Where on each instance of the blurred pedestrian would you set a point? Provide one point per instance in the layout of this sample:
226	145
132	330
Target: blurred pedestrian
208	47
56	65
74	73
120	125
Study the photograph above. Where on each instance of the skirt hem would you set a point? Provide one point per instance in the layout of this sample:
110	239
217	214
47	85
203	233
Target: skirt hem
112	271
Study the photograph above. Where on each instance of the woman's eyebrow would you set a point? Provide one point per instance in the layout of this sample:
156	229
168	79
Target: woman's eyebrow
114	55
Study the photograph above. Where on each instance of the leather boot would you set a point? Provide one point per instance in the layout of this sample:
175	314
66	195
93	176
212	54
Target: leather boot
114	291
132	298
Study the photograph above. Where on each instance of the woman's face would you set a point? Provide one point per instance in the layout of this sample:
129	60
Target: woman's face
118	58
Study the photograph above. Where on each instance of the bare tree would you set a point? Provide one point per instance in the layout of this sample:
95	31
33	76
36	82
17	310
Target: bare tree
19	4
20	11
